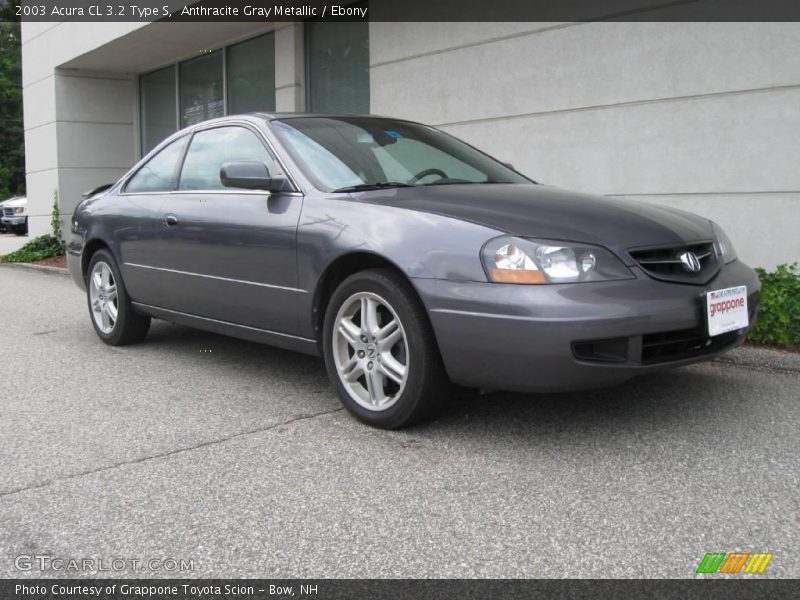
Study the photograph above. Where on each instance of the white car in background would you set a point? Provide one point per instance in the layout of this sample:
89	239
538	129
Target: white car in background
14	215
3	228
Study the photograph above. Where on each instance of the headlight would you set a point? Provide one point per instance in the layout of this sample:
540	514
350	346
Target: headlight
515	260
19	210
723	245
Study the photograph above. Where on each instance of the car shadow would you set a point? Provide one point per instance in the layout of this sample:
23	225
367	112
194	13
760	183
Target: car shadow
687	402
698	394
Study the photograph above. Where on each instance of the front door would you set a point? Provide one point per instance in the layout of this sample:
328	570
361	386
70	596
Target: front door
230	254
138	235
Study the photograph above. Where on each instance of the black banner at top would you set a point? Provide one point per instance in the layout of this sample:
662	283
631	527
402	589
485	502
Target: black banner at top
410	10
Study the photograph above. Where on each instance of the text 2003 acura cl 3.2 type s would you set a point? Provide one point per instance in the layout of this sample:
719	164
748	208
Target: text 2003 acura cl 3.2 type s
405	257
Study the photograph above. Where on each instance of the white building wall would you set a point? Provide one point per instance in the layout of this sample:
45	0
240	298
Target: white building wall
78	125
701	116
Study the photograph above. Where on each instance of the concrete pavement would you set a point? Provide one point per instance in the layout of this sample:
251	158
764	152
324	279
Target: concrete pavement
237	457
10	242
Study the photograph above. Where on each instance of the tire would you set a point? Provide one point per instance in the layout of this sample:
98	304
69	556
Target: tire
396	377
129	326
20	231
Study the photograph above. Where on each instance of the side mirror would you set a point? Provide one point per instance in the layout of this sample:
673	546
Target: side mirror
249	175
509	165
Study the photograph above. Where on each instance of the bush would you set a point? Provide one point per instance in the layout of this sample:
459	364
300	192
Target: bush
38	248
779	313
55	217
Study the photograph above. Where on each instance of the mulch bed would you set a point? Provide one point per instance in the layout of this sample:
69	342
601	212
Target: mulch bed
53	261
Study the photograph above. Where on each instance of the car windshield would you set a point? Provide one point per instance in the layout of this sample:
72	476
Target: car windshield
357	153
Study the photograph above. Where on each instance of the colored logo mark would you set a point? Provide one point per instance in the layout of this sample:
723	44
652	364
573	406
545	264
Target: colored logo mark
734	562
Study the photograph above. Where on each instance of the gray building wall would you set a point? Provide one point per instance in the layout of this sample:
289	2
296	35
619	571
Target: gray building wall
701	116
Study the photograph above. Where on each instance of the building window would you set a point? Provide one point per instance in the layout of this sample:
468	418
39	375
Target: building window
248	85
250	73
337	67
201	93
157	105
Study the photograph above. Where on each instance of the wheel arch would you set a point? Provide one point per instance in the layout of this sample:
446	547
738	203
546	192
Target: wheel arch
91	248
340	269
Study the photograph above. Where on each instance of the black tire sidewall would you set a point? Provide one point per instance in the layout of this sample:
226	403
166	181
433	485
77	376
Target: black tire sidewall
397	293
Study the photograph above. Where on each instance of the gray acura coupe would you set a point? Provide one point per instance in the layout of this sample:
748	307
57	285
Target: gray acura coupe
406	258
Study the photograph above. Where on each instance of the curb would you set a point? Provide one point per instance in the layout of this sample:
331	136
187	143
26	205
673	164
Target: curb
762	359
40	268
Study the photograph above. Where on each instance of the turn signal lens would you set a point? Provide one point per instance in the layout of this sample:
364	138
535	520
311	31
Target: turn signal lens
511	276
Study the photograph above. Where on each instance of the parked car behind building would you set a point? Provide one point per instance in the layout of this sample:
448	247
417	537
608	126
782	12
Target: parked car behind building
3	228
14	217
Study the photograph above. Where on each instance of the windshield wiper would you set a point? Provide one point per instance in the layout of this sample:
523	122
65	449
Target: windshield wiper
372	186
461	182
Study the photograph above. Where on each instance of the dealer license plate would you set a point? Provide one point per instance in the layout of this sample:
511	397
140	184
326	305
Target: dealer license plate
726	310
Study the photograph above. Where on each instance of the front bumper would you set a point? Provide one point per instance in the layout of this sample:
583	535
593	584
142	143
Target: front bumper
14	221
522	338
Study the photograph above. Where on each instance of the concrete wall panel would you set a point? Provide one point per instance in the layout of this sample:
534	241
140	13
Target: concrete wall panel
41	149
40	186
39	103
94	98
582	65
738	143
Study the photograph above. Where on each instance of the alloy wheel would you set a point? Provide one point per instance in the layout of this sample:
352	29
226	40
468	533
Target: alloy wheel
103	297
370	351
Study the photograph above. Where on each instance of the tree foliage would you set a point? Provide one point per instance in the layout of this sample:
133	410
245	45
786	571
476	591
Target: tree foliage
12	141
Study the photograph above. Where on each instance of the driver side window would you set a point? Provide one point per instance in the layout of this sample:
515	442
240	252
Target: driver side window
212	148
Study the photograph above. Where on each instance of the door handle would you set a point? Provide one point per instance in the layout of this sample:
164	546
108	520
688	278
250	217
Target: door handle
170	220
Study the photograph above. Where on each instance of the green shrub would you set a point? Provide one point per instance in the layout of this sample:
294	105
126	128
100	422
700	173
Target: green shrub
55	217
38	248
779	313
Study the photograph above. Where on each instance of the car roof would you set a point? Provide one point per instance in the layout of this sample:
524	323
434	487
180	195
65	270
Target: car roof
271	116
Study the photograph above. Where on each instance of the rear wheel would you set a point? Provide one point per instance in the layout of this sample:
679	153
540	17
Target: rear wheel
380	351
113	316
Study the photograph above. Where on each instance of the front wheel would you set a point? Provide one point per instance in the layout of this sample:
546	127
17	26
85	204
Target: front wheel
380	351
113	316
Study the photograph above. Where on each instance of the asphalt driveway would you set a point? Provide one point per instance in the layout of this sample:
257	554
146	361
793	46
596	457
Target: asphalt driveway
238	458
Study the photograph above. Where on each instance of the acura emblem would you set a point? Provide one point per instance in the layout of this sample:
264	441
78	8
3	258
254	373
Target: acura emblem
690	262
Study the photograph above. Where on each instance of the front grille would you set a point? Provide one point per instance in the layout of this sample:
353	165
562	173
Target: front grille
8	211
666	263
687	343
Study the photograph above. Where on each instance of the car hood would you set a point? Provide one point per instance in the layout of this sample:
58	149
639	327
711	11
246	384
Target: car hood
529	210
15	202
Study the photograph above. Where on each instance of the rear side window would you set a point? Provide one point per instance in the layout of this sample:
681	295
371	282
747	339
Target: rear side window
158	174
212	148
